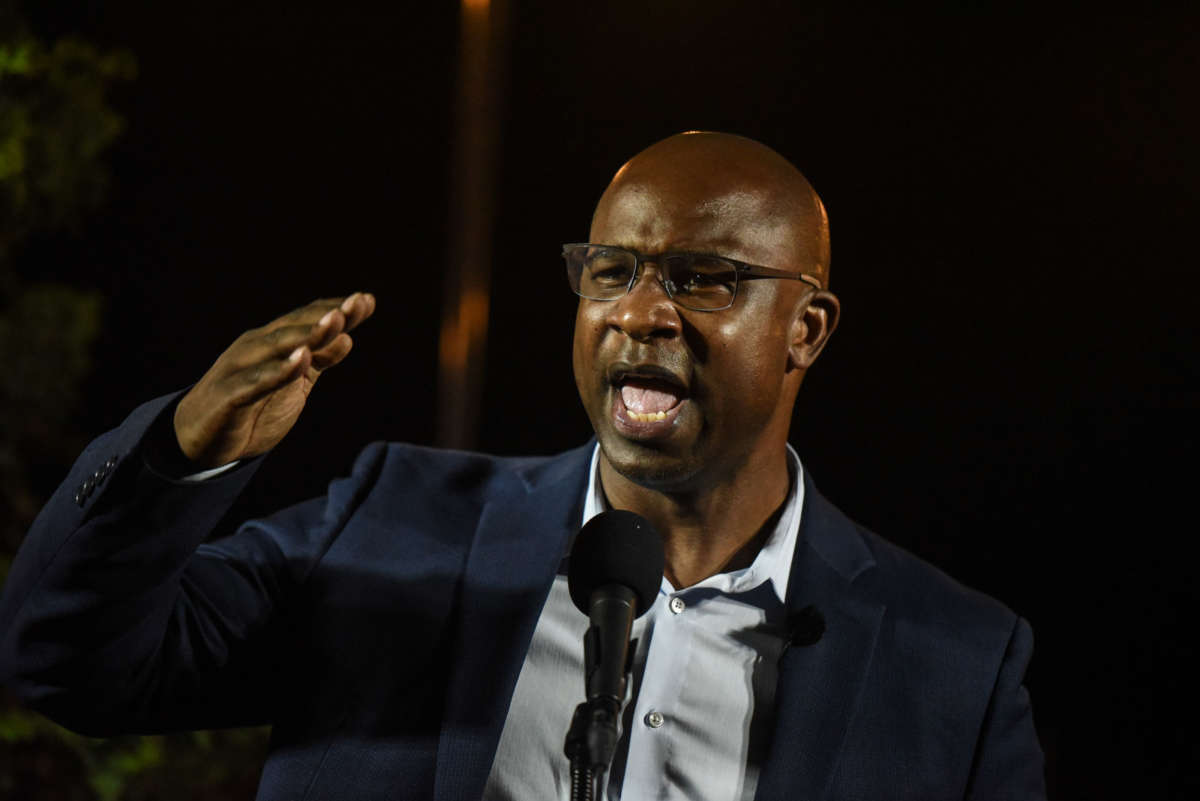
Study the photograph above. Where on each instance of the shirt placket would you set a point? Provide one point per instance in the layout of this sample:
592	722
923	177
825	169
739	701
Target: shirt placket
667	660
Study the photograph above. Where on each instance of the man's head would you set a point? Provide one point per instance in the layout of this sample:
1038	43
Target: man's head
683	399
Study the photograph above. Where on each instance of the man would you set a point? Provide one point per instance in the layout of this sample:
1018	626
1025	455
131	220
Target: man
408	635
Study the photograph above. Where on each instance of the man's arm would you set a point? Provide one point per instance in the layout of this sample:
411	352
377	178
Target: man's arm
85	604
114	617
1008	760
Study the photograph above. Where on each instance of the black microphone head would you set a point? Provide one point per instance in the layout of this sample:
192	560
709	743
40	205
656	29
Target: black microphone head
616	547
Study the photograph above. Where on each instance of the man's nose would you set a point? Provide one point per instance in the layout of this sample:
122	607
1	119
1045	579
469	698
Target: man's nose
646	310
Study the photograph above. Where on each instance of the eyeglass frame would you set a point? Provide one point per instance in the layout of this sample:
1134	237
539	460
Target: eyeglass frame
741	269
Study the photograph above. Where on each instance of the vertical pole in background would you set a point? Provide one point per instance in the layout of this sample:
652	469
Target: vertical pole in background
477	113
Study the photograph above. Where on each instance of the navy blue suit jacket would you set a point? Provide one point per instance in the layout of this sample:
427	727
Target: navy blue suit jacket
381	629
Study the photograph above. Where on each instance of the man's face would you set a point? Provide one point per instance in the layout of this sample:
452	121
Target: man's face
681	399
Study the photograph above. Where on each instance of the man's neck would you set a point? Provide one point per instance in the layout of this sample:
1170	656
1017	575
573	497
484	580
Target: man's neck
709	531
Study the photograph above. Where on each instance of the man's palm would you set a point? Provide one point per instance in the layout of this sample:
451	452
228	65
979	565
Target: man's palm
253	394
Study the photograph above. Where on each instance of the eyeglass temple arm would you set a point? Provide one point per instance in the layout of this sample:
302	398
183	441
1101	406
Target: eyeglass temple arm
771	272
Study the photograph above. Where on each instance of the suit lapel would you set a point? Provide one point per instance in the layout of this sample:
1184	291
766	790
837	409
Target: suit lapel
523	533
820	684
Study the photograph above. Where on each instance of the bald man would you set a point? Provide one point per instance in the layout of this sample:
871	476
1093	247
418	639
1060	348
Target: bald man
410	635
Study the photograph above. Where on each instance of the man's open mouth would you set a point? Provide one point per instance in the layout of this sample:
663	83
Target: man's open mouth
648	399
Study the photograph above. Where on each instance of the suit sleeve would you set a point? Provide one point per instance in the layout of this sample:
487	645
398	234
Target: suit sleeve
117	618
1008	762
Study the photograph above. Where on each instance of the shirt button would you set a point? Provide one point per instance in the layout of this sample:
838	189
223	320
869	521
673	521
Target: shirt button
654	718
677	605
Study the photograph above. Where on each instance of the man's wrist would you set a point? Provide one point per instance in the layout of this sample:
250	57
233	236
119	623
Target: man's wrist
164	456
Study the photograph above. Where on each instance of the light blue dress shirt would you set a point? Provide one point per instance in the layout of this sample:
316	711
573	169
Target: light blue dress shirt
698	722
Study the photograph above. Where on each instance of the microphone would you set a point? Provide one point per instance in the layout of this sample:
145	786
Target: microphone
615	573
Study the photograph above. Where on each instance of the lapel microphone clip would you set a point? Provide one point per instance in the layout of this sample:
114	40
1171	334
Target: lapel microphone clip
805	627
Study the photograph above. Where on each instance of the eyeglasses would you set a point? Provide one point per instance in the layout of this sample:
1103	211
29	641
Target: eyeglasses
695	281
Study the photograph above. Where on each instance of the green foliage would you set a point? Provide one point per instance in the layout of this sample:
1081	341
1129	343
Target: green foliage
46	336
55	122
55	125
45	339
16	59
192	765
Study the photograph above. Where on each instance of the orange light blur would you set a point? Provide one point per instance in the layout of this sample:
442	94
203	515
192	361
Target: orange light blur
467	325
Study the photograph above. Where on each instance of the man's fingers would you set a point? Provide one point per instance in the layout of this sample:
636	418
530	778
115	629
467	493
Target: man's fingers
318	328
276	343
307	314
352	311
326	329
357	307
354	308
264	344
251	383
311	312
332	353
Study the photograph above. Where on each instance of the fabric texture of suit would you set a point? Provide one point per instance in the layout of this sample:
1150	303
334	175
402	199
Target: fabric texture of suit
381	629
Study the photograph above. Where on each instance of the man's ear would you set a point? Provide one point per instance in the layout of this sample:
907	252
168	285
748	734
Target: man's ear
811	328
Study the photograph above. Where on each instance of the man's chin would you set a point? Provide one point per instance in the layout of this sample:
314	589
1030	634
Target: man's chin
654	468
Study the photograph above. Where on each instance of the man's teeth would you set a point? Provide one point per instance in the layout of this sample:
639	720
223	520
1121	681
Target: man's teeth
648	401
648	417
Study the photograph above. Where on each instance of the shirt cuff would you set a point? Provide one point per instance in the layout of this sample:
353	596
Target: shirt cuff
204	475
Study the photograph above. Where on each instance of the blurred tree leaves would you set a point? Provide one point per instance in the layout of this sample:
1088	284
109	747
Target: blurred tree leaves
55	122
55	125
43	761
46	333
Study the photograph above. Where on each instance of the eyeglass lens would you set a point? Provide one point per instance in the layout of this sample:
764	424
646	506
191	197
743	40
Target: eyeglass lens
698	281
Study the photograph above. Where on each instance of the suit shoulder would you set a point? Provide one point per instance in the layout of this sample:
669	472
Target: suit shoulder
917	591
887	573
454	474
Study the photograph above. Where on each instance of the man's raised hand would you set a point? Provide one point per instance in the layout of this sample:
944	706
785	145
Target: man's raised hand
252	395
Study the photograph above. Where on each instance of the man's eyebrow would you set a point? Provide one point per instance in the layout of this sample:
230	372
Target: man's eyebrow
679	252
705	252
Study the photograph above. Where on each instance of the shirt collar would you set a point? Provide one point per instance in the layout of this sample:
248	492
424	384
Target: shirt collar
773	562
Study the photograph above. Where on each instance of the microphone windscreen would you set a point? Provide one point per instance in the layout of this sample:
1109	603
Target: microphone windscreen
616	547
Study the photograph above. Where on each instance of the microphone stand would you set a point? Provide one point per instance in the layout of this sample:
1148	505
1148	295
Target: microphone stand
607	657
616	564
590	743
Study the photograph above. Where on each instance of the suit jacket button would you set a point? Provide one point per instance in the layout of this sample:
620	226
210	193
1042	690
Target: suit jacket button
79	498
111	463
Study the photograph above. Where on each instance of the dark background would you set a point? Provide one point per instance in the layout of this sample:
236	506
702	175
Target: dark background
1012	196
